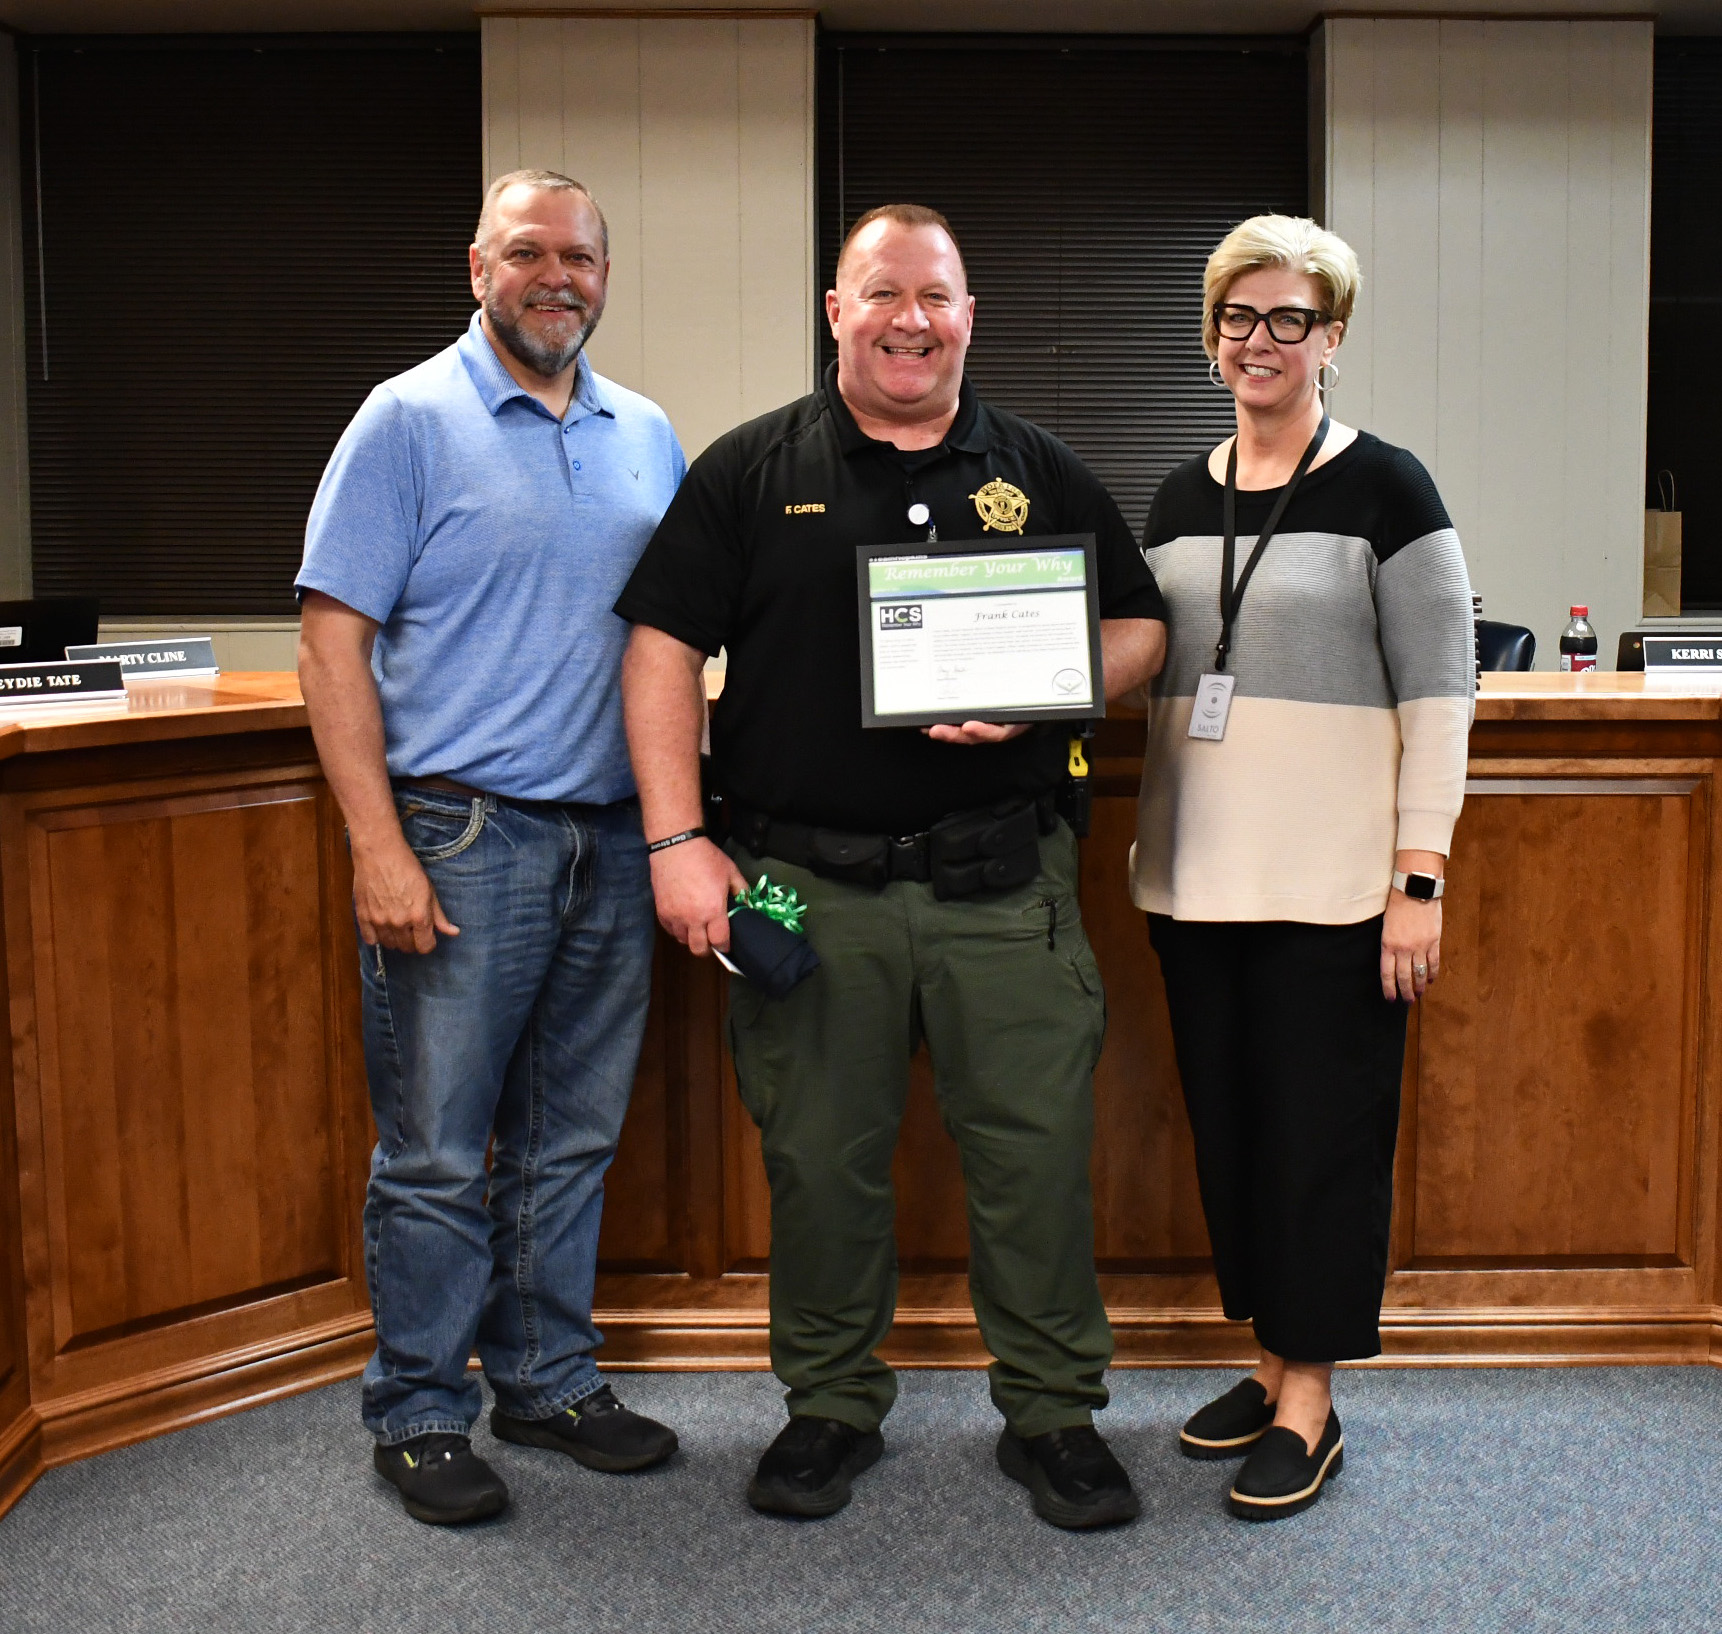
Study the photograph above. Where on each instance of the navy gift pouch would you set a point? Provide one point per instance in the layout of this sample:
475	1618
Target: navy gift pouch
768	954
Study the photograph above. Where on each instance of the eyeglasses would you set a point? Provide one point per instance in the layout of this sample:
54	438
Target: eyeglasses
1290	324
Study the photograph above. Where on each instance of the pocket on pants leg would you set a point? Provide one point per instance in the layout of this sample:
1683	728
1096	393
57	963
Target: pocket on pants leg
1087	969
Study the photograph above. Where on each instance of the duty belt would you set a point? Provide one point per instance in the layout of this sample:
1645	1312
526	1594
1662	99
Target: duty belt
991	848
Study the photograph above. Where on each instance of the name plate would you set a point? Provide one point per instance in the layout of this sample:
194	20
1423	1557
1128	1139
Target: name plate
1683	653
62	684
189	655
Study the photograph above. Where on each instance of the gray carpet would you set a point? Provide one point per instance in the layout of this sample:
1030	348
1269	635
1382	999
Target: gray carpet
1583	1499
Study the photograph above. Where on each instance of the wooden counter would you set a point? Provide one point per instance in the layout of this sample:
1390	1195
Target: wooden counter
184	1131
187	1124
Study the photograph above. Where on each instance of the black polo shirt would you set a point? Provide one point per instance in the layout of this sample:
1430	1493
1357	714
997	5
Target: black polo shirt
757	554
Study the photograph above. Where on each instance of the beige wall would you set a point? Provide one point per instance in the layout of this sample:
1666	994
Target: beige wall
1494	178
696	137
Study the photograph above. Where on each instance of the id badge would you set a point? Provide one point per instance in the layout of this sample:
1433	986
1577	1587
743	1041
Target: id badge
1213	704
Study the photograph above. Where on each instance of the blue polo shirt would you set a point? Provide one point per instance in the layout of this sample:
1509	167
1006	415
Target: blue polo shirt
490	540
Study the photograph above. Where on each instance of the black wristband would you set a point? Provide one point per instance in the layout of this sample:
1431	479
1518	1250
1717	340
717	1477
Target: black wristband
676	839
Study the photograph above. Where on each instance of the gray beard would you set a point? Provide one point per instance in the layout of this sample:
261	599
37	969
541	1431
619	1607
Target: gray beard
538	355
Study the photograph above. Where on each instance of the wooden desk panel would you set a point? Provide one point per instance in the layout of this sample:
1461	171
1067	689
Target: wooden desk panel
185	1132
20	1432
190	1138
1557	1190
187	1136
1147	1212
1557	1055
643	1227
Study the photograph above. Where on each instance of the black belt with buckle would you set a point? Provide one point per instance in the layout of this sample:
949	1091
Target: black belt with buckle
991	848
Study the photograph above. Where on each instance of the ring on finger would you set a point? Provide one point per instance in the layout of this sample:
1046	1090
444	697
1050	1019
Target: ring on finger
1420	970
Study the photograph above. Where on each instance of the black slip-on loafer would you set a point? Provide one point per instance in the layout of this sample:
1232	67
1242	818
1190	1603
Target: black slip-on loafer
1283	1476
1075	1481
806	1471
597	1430
441	1480
1229	1425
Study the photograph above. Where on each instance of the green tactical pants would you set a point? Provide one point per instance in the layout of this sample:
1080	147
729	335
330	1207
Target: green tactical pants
1008	998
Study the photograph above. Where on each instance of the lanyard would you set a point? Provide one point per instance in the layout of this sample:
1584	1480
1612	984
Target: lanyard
1231	599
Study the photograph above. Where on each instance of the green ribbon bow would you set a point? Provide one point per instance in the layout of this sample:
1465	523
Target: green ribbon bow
775	902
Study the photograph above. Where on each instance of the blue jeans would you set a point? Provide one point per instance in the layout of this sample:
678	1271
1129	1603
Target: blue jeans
523	1030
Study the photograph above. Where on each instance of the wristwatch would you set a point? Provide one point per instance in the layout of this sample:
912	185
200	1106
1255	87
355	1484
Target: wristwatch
1420	887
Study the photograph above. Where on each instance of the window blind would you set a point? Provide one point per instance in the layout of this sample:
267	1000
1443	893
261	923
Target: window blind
228	242
1685	302
1087	180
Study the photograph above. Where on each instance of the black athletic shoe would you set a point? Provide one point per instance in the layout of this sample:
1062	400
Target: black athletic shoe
442	1480
1075	1480
806	1471
1283	1476
597	1430
1229	1425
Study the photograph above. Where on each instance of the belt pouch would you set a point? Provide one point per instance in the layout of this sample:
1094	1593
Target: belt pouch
853	859
995	849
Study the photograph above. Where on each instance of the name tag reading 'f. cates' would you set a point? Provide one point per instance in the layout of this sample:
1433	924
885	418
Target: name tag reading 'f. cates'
68	683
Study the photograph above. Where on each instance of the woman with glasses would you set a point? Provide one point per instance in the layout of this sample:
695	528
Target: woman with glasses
1305	765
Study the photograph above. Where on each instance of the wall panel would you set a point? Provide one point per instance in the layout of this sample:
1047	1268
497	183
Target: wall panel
1494	180
696	137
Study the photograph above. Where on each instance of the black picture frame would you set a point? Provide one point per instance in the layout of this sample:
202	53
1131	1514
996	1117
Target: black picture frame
865	555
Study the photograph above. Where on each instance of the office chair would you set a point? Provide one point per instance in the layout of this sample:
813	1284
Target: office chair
1504	646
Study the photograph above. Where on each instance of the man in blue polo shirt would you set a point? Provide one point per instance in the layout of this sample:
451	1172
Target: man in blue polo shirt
460	664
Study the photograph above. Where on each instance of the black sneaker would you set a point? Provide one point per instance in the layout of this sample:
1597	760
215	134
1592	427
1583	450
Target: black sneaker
1283	1476
1229	1425
1075	1480
597	1430
806	1471
442	1480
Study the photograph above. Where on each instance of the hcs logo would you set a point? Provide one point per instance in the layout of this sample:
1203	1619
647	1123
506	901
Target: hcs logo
904	616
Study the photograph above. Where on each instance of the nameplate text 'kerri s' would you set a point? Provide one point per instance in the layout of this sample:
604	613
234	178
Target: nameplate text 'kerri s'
62	684
189	655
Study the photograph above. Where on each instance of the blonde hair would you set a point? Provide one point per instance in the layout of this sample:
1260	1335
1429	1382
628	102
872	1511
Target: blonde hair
1292	242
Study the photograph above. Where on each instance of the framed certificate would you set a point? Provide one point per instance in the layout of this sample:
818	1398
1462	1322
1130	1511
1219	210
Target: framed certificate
983	630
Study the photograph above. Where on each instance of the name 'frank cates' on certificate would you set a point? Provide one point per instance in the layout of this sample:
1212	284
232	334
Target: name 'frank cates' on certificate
974	631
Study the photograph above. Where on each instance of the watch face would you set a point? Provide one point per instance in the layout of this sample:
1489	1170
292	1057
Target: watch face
1420	886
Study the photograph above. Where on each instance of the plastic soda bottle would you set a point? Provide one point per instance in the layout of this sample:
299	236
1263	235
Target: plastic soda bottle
1578	641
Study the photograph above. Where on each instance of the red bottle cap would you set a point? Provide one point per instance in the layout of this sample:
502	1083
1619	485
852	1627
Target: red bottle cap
1578	612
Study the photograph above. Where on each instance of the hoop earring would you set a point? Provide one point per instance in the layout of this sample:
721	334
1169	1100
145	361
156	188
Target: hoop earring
1325	370
1215	378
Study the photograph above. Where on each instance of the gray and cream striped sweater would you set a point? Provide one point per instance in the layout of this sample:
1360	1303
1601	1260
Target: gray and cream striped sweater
1353	654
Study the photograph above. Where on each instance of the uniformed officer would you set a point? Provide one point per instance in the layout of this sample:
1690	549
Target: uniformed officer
757	554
